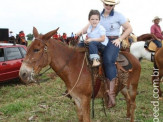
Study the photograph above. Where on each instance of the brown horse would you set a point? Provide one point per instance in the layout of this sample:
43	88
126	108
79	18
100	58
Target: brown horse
159	63
145	37
71	66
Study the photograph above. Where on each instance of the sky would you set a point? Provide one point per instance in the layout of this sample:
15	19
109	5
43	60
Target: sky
72	15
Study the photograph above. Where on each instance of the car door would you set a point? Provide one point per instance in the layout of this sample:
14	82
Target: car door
11	64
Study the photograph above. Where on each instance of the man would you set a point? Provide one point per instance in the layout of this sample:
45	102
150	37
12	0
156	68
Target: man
21	39
11	37
156	30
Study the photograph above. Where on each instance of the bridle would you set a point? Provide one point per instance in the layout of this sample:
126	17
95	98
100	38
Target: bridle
46	51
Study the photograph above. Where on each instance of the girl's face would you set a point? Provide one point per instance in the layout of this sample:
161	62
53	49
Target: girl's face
108	7
94	20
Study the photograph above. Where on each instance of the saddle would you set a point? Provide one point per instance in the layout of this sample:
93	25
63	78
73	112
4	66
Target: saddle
123	67
126	43
151	46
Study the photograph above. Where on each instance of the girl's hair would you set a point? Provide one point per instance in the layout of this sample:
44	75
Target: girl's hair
93	12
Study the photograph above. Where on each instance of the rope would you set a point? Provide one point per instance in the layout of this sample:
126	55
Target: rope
76	81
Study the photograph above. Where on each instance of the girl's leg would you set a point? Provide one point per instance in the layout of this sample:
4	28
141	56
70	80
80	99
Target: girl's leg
93	51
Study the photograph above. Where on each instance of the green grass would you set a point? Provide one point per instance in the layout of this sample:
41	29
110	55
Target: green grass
19	103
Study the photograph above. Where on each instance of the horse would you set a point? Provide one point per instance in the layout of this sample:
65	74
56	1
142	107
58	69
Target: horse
71	41
159	64
137	49
145	37
71	66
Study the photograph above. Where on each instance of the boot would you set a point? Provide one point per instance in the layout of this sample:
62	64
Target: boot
96	63
107	89
112	102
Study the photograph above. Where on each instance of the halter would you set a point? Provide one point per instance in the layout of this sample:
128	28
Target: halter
45	50
33	74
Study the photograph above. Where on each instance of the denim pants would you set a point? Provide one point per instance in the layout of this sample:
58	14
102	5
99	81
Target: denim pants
158	43
94	48
109	58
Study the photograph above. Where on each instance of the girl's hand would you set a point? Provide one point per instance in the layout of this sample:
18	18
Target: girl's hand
88	40
116	42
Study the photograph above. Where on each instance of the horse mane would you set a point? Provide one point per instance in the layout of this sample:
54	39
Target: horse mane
78	49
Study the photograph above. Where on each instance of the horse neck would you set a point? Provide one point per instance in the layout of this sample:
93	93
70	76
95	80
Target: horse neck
64	59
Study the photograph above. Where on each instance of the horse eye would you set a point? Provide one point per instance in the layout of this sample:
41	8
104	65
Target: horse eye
35	50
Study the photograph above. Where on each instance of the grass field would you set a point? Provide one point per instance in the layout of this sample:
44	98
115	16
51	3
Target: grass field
20	103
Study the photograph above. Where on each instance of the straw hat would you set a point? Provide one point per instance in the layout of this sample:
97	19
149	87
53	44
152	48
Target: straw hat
156	17
110	2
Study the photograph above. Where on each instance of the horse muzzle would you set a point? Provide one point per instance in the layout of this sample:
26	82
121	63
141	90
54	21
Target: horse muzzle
27	75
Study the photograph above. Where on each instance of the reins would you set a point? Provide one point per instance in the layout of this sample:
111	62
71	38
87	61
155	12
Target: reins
45	49
76	80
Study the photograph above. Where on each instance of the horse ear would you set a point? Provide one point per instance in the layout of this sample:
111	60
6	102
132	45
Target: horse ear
50	34
35	32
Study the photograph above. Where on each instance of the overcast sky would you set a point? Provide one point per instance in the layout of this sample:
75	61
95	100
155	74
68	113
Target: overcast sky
72	15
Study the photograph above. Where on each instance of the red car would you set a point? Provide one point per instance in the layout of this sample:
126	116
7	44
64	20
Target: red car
11	57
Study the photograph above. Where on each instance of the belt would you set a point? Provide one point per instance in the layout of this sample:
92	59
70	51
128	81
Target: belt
113	37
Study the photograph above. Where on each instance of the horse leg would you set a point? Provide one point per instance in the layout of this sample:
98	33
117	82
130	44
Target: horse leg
86	108
130	96
132	92
124	91
79	109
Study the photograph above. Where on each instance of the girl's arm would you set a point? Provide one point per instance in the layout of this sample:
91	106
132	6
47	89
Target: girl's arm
101	39
83	31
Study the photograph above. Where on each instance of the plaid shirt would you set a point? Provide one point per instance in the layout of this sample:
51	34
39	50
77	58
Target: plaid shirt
156	30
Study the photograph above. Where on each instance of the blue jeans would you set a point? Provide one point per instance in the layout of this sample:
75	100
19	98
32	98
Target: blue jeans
109	58
158	43
81	44
94	48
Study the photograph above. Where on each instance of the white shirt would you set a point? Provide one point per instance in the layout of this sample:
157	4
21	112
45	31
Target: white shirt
97	33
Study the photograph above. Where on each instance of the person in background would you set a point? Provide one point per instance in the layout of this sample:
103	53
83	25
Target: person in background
59	36
21	34
156	30
21	38
64	37
11	36
72	35
55	36
111	20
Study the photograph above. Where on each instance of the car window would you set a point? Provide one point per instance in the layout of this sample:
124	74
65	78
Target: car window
23	51
13	53
2	58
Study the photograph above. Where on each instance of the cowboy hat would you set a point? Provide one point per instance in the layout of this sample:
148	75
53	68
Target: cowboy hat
110	2
156	17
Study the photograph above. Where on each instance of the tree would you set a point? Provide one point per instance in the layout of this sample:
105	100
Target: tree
29	36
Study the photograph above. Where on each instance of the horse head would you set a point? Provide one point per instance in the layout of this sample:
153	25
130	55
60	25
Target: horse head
37	56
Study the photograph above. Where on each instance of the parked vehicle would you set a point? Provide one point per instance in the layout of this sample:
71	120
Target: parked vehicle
11	58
